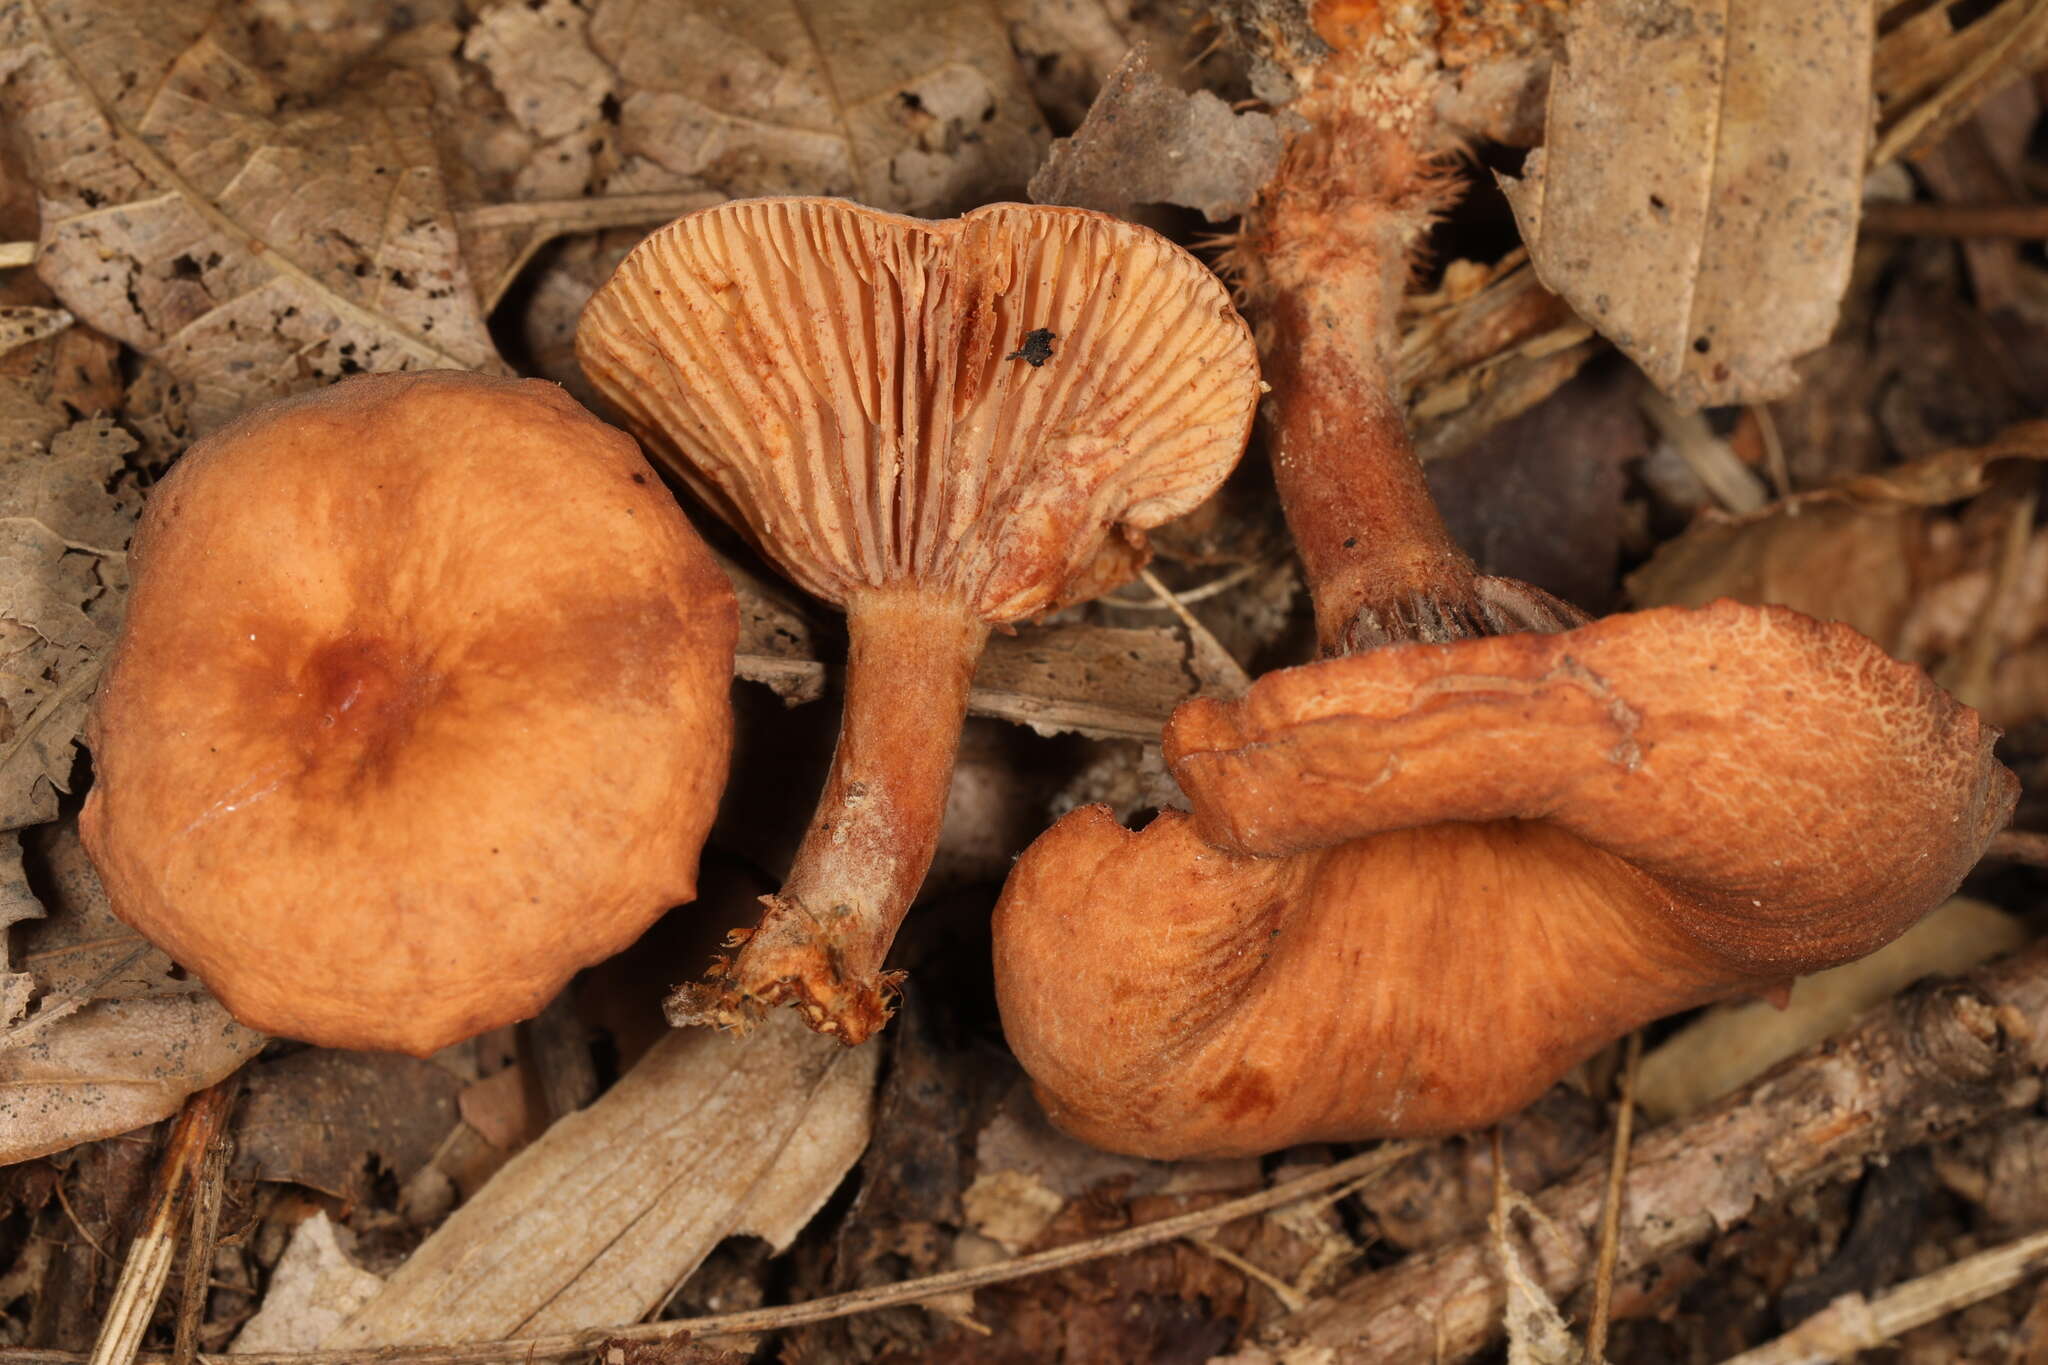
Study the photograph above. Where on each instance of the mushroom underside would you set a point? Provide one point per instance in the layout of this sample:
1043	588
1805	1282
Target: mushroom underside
1173	1000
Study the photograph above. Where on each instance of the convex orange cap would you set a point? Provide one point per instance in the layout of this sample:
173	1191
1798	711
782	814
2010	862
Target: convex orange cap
420	705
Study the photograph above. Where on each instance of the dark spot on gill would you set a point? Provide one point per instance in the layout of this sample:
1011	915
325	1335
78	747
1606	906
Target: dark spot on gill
1037	347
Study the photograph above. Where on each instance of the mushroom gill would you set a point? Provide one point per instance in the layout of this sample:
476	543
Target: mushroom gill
939	427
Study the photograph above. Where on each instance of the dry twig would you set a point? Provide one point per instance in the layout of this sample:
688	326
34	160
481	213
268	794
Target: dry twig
1853	1323
573	1346
149	1257
2019	846
1610	1208
1935	1060
2026	222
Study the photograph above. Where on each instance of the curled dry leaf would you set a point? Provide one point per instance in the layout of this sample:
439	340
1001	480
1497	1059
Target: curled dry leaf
1713	243
1145	142
1960	591
254	250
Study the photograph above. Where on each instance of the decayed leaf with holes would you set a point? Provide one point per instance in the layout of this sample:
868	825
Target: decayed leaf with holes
117	1039
1939	561
1713	242
17	903
913	105
64	524
253	251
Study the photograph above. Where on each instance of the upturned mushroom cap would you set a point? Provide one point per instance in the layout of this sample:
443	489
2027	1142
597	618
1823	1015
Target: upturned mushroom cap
420	705
972	404
941	427
1484	861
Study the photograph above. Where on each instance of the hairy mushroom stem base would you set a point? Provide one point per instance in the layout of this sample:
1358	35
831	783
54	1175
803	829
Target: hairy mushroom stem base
822	939
1334	242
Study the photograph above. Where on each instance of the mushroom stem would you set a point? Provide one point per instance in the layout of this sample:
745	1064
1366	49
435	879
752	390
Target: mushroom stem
1336	236
1381	564
822	939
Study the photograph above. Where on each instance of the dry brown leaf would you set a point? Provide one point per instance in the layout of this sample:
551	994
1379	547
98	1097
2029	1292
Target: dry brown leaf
1958	594
311	1291
1027	1171
21	325
82	953
910	105
1146	142
253	250
336	1121
17	903
540	62
1069	47
1713	242
116	1039
1731	1044
113	1066
64	526
601	1218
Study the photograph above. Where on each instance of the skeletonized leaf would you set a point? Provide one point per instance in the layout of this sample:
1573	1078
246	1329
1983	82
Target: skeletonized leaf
911	105
253	250
17	903
1712	242
63	574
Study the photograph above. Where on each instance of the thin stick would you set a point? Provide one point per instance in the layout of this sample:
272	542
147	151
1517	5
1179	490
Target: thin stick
1290	1298
534	1350
1731	482
1203	593
149	1256
2019	846
1208	650
208	1186
14	255
1853	1323
1774	453
2023	222
1924	116
1610	1209
64	1203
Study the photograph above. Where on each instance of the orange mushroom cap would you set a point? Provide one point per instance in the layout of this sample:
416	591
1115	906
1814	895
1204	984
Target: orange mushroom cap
941	427
1422	882
420	705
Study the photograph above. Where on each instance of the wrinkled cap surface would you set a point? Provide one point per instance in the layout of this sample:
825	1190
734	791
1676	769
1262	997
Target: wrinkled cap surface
420	705
1805	794
1419	884
975	404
